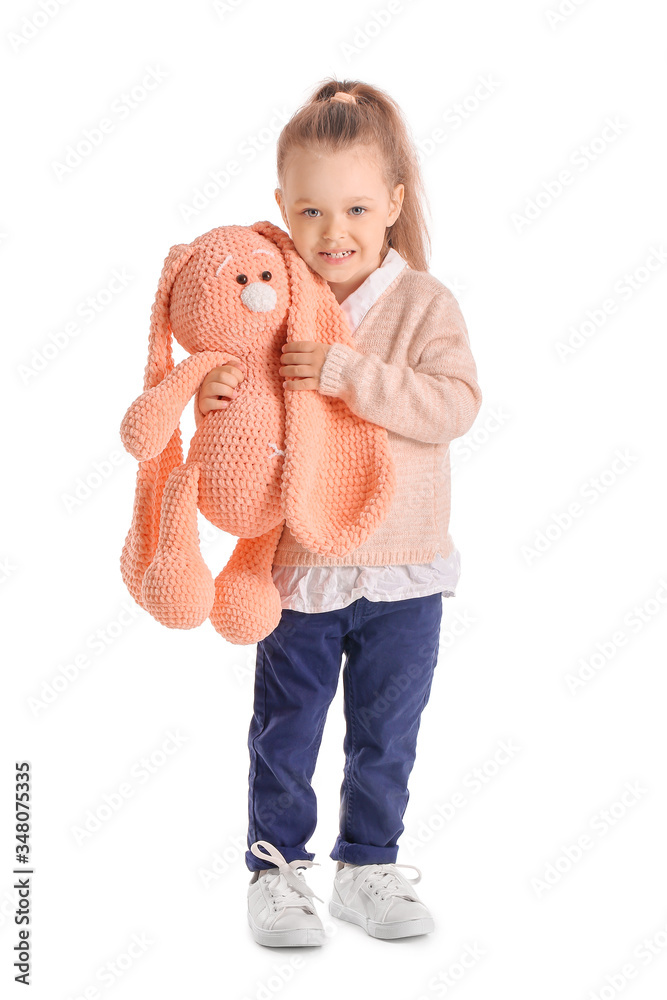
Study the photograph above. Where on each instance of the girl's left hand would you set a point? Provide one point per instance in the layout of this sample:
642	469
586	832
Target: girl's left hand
302	364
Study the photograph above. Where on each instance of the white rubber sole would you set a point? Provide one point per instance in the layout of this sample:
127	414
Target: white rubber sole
296	937
396	929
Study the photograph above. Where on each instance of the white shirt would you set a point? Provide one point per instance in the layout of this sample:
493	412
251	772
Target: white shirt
327	588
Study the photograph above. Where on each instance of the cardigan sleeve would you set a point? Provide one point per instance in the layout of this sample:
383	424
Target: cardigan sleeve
434	400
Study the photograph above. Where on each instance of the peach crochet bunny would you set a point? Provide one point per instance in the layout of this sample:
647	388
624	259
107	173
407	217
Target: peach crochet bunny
235	295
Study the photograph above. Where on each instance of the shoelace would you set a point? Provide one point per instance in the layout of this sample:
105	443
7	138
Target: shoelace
389	881
285	886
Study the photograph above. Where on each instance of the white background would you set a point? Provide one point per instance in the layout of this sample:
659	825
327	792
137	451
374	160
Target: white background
496	872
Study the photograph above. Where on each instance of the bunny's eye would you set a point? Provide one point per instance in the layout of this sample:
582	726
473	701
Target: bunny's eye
266	276
241	278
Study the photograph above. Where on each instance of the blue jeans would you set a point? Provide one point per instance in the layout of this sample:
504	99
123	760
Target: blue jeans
391	650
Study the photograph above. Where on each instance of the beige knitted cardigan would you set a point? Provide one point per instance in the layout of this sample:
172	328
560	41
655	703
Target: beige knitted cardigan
411	371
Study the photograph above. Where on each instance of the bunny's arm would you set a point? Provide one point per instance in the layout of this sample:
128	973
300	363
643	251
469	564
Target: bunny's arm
153	417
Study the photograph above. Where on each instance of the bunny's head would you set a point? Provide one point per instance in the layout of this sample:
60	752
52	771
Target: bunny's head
235	287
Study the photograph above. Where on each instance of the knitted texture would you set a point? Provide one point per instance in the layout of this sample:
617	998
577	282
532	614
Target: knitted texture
273	456
411	371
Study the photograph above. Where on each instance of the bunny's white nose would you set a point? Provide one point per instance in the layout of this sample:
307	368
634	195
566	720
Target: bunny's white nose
259	296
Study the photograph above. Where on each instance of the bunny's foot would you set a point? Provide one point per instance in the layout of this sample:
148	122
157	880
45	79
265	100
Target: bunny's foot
178	589
247	604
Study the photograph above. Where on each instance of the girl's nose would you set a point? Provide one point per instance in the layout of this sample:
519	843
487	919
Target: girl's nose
334	231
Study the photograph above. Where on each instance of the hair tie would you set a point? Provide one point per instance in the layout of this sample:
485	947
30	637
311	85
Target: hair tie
342	95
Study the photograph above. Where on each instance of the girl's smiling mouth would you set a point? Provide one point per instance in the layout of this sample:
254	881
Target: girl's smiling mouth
336	256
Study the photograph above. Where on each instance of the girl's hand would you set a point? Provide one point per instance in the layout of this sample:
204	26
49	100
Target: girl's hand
303	363
218	388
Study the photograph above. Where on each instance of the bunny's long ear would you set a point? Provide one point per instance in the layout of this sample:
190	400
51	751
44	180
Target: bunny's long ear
141	541
338	476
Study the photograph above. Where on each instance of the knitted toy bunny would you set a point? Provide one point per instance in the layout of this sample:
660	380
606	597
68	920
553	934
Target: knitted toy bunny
235	295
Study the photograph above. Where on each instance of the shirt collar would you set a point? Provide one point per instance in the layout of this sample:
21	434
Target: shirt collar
358	302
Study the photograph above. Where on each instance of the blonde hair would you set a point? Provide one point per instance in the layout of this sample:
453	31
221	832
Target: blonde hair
341	114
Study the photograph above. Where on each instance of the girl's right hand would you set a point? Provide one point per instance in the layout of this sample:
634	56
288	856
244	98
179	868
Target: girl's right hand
218	388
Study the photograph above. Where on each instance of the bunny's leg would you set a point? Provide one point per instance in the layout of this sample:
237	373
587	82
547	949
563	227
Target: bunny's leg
178	588
142	538
247	604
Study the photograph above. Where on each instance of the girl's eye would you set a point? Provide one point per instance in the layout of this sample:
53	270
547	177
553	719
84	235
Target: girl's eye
266	276
362	209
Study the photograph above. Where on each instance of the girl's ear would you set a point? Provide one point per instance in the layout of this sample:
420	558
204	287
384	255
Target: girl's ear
397	203
279	198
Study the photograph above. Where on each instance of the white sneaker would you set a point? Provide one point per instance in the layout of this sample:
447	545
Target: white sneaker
380	899
280	913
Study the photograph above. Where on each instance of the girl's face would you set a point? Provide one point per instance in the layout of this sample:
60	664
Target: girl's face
332	202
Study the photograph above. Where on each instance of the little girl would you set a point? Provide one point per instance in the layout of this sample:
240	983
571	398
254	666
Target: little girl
349	194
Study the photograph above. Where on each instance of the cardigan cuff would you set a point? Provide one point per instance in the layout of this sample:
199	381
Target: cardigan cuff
332	374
